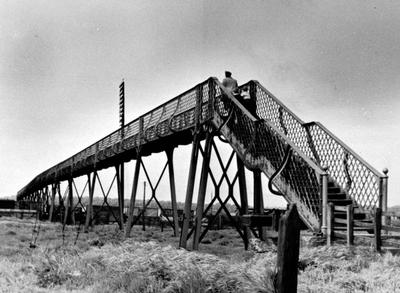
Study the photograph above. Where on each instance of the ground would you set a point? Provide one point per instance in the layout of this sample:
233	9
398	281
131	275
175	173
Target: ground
104	261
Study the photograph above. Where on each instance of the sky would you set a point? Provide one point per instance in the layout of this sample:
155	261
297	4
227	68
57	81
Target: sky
336	62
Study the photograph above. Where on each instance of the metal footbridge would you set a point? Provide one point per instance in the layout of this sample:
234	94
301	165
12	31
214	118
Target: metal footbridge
305	162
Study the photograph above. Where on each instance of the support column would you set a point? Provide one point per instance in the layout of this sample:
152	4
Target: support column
243	198
133	197
120	187
202	190
170	154
53	196
89	209
69	209
189	191
258	200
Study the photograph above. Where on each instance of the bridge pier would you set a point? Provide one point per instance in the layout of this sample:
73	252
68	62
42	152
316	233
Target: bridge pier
69	215
258	201
52	202
202	189
133	196
170	153
243	198
119	169
89	209
189	191
206	171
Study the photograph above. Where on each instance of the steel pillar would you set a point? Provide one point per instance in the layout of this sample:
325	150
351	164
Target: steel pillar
170	154
120	184
53	196
133	197
202	190
189	191
243	198
89	209
258	200
69	209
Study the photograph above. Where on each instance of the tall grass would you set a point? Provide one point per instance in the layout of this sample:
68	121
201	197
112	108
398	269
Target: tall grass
103	261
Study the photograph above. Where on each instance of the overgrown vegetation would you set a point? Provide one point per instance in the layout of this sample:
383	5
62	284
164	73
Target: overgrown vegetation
103	261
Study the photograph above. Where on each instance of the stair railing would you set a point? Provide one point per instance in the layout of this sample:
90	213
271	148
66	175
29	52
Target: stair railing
362	182
261	145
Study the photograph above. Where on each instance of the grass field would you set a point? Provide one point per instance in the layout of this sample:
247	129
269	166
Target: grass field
103	261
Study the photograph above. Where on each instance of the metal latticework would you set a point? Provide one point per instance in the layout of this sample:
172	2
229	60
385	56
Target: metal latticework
345	167
262	145
178	114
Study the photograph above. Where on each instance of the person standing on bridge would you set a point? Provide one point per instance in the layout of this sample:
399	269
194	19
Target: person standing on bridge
248	101
230	84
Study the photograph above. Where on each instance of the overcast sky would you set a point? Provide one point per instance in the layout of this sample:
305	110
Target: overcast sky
336	62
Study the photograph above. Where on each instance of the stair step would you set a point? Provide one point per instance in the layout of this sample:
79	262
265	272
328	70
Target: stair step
340	195
331	184
344	228
343	215
334	189
340	202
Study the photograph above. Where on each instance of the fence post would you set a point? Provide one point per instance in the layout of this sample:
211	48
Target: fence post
350	225
377	229
330	235
288	251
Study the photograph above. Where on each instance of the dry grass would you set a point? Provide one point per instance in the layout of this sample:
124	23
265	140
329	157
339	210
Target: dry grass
103	261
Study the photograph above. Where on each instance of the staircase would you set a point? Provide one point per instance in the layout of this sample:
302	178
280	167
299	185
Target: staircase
298	157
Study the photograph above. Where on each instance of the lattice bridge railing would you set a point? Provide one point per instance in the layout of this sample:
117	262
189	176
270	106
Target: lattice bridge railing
359	179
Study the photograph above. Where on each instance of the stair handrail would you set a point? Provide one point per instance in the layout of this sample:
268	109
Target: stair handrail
301	182
311	151
312	164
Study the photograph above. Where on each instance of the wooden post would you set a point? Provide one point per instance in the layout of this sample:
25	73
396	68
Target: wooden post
258	200
243	199
53	196
89	210
350	225
170	154
133	197
202	190
324	195
189	192
377	229
330	218
288	251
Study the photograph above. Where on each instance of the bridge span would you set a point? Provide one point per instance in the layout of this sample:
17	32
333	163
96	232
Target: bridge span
304	162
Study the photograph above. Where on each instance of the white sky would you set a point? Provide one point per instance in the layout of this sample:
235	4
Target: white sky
336	62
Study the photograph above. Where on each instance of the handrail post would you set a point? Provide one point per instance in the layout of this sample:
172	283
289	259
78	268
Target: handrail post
324	193
384	193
